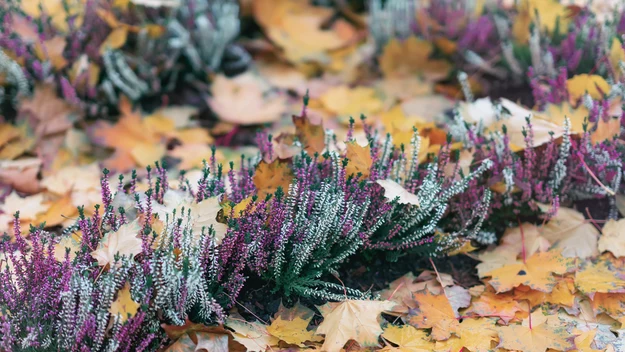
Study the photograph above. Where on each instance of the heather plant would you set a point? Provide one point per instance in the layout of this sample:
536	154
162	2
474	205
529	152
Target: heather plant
106	49
141	259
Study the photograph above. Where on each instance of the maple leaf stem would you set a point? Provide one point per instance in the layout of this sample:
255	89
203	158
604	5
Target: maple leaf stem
592	221
609	191
523	254
530	315
249	311
343	284
439	279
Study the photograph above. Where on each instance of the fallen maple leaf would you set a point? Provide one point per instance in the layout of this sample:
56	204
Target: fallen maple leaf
351	102
311	135
59	211
613	238
359	160
563	294
71	242
595	85
408	339
606	129
475	335
124	307
205	214
245	100
537	336
599	277
491	304
536	272
412	57
429	310
269	176
291	325
124	242
351	320
393	191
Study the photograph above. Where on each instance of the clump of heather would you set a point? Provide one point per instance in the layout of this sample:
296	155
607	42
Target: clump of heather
104	49
165	246
565	169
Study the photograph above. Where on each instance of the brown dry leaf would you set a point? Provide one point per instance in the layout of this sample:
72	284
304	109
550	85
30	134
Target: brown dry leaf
359	160
595	85
412	57
123	241
311	135
538	337
408	339
475	335
536	272
46	113
404	88
400	291
21	175
269	176
190	334
291	325
612	304
429	310
613	238
490	304
351	320
599	277
191	155
254	336
245	100
282	76
123	306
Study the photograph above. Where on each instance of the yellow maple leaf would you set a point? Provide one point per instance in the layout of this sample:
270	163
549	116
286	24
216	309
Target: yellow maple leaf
351	102
124	307
60	210
599	277
124	242
254	336
549	12
291	325
557	113
269	176
71	242
616	56
475	335
412	57
359	160
408	339
537	337
502	305
595	85
606	130
433	311
351	319
536	272
115	40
